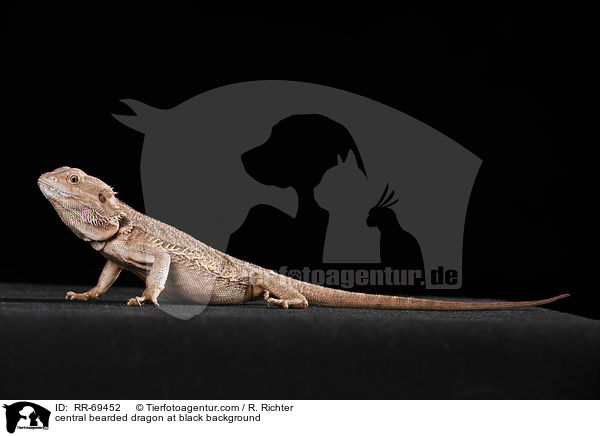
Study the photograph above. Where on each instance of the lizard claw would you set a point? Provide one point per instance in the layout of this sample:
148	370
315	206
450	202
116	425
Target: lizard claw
277	302
134	302
75	296
139	301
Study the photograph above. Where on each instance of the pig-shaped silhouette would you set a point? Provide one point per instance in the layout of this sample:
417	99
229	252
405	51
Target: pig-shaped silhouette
193	176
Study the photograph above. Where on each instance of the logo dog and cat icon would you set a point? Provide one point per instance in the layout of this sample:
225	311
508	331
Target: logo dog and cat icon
26	415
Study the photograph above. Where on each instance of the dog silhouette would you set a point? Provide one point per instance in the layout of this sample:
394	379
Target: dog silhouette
299	151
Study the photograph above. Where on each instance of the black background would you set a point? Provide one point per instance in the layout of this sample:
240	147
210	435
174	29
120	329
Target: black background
506	84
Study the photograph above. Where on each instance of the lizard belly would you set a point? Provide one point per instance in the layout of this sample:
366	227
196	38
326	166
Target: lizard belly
196	286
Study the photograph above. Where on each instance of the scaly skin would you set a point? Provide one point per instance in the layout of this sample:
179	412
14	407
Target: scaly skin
182	269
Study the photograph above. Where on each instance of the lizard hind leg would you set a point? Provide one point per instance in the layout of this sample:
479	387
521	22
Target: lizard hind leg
286	298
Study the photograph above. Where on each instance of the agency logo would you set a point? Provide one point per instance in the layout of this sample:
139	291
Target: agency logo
311	181
26	415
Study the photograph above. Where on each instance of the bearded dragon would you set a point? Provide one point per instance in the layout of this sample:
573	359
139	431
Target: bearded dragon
184	269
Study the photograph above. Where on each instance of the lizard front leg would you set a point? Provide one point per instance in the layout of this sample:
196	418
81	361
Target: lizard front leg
156	278
109	274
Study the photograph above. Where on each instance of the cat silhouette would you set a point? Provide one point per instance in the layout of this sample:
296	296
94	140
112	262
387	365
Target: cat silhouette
347	194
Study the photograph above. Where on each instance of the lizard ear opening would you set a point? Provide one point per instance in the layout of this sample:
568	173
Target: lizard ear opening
108	199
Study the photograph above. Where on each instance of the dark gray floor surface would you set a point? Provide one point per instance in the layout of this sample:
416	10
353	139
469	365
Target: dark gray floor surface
52	348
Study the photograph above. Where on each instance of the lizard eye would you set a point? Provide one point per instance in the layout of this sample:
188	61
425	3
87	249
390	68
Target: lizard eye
102	198
74	179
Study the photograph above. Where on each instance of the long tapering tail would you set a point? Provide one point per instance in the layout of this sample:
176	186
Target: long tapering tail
323	296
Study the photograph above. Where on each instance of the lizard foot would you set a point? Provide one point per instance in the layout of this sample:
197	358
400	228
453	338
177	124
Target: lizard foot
278	294
150	294
277	302
85	296
136	301
294	303
139	301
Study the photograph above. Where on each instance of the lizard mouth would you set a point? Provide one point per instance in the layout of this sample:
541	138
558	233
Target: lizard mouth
50	190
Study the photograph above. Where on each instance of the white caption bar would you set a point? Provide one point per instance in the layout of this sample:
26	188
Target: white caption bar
156	417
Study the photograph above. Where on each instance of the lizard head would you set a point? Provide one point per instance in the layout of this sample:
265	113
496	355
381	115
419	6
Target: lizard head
87	205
